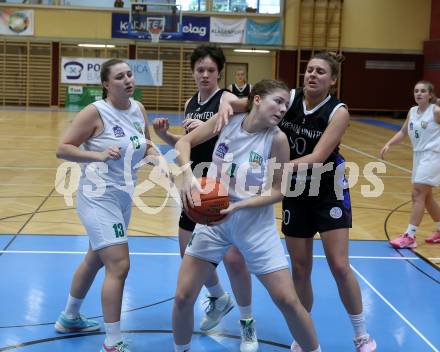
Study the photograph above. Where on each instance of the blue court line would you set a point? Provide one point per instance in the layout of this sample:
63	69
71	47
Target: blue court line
379	123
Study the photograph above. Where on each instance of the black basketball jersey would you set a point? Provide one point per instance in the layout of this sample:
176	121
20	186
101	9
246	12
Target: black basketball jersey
243	93
203	152
304	130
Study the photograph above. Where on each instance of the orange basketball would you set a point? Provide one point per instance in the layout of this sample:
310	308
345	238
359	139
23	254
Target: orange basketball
213	198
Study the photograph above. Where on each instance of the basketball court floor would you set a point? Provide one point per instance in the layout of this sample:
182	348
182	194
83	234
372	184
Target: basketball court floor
42	242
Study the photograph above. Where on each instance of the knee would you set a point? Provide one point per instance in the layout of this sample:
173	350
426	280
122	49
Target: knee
301	269
287	302
418	195
119	269
340	270
235	261
184	300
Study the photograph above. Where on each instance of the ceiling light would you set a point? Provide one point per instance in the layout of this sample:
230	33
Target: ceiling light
252	51
96	45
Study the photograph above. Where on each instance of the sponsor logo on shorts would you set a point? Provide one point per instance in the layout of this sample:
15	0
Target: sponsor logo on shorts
221	150
336	212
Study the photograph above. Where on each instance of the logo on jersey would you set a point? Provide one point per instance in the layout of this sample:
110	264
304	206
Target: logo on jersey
335	212
424	124
221	150
255	159
231	170
411	125
118	131
138	127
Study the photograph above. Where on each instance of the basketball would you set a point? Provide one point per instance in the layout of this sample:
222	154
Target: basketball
213	198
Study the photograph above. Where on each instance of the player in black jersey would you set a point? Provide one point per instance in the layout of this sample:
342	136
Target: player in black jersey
315	124
318	199
207	62
240	87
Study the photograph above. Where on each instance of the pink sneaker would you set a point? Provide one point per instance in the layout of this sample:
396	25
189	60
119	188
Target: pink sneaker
365	344
121	346
295	347
404	241
434	238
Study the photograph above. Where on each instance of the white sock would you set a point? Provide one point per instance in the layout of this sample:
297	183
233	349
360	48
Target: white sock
216	290
438	226
317	350
73	306
411	230
112	333
182	348
359	326
245	312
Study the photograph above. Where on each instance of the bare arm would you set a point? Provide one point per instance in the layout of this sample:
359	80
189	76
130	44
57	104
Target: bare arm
437	112
229	105
83	127
161	127
280	154
183	147
150	149
329	140
398	137
197	136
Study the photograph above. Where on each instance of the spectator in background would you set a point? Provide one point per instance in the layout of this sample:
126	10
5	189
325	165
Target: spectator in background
240	87
118	3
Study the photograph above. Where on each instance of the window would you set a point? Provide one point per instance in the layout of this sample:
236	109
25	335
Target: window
192	5
257	6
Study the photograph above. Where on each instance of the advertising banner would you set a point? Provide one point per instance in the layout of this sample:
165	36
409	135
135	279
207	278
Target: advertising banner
263	33
16	22
195	28
86	70
78	97
121	29
225	30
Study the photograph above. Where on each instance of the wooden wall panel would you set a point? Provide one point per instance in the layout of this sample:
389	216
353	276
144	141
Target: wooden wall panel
25	73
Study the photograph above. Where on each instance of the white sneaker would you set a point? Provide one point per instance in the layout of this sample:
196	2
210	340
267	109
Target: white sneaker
216	309
249	341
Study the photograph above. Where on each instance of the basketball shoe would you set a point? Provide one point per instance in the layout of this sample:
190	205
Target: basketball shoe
121	346
434	238
216	309
404	241
249	342
65	324
365	344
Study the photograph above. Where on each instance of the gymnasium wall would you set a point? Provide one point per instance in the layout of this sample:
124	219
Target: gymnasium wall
431	48
387	32
375	30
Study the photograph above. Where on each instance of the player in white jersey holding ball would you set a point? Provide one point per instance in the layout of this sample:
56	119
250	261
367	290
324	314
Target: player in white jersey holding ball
423	128
248	141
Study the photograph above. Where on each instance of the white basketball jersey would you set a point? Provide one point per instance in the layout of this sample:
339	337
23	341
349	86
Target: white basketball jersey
240	159
124	129
423	131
